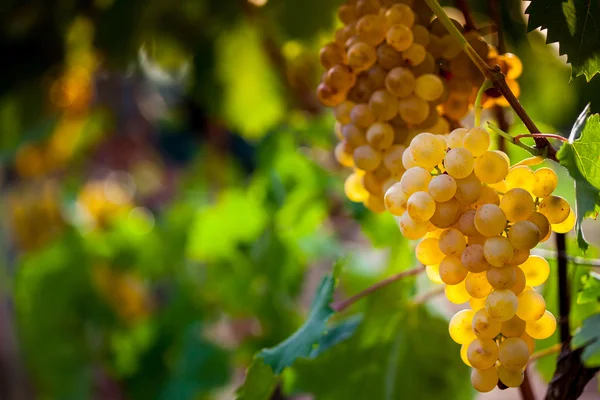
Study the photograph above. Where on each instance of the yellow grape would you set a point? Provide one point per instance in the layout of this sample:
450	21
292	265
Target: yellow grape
482	353
342	111
415	179
513	353
460	327
519	257
457	294
400	37
522	177
328	96
400	14
451	47
452	242
477	141
362	116
361	56
412	229
531	305
555	208
541	222
455	138
484	380
515	67
413	110
372	183
476	304
473	259
340	77
375	203
491	167
498	251
429	87
400	82
388	58
392	158
442	187
501	304
380	135
477	285
452	272
517	204
371	29
543	328
420	35
501	278
427	150
514	327
459	163
468	190
446	214
367	158
524	235
354	189
529	341
509	377
415	55
489	220
364	7
536	270
567	224
384	105
433	273
420	206
463	354
466	223
408	160
487	196
484	326
519	284
331	54
354	136
343	154
347	13
545	182
395	199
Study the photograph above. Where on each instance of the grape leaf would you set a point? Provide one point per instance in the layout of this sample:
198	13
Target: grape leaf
591	289
571	23
580	158
588	336
259	384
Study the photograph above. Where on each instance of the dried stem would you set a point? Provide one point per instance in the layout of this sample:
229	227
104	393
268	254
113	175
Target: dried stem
541	135
564	295
525	388
464	8
339	306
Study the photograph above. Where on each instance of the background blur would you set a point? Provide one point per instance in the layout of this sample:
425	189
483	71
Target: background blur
169	202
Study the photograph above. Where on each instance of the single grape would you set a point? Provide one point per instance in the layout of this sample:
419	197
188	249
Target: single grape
420	35
509	377
399	36
433	273
392	158
482	353
501	278
477	141
460	327
442	187
375	203
487	196
566	225
456	137
543	328
484	326
519	284
415	55
463	354
473	259
380	135
340	77
354	136
501	304
555	208
343	154
541	222
415	179
546	181
514	327
371	29
477	285
452	242
521	176
400	14
468	190
524	235
513	353
364	7
388	58
361	56
459	163
446	214
466	223
491	167
413	109
331	54
531	305
457	294
372	183
517	204
342	112
354	189
362	90
498	251
427	151
412	229
489	220
452	272
519	257
408	161
536	270
328	96
484	380
400	82
476	304
384	105
362	116
347	13
420	206
429	87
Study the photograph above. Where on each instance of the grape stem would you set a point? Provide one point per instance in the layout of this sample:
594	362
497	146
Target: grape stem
544	135
426	296
340	306
532	150
555	348
477	106
496	76
464	8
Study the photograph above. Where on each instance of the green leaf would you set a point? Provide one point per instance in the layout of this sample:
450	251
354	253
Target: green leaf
591	289
580	158
402	366
259	384
303	341
571	23
337	334
589	337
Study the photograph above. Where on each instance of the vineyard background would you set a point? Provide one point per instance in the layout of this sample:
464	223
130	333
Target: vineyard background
170	204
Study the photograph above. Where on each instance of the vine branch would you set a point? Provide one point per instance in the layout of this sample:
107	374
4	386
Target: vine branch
340	306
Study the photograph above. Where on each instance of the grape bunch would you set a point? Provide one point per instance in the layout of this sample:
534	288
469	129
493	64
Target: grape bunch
391	74
478	219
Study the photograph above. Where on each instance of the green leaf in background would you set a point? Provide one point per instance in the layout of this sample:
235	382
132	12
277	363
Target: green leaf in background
572	24
580	158
252	97
589	336
591	289
259	384
391	369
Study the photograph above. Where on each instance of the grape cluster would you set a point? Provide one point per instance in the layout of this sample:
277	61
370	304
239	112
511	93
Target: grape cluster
478	219
391	74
